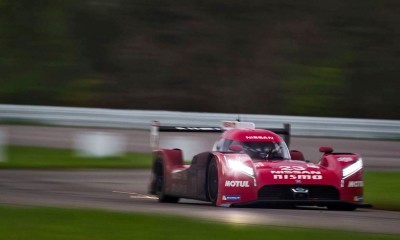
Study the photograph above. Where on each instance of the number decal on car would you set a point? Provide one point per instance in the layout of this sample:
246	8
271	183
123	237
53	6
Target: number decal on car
292	168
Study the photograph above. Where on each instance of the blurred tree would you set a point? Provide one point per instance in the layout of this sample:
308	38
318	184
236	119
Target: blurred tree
40	59
325	58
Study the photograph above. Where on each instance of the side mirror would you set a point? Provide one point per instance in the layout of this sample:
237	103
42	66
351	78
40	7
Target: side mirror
236	148
326	150
296	155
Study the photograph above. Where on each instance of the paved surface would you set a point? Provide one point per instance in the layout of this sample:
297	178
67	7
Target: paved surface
127	190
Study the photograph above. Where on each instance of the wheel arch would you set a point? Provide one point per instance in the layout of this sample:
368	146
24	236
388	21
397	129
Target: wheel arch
210	157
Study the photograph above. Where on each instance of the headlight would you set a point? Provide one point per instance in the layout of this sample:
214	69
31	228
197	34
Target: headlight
237	165
353	168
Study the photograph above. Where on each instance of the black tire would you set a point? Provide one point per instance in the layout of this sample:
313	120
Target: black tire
159	183
212	181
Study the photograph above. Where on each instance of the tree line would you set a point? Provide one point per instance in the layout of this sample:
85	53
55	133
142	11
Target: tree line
313	58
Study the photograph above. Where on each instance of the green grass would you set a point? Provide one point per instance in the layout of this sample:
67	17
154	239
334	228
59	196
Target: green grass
41	158
71	224
382	189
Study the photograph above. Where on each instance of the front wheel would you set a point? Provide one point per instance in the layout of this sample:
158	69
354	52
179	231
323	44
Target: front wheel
212	181
159	185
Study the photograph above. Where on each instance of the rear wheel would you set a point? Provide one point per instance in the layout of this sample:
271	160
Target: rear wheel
212	181
159	185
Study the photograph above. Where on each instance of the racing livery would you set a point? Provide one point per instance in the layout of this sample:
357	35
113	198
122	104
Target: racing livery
249	166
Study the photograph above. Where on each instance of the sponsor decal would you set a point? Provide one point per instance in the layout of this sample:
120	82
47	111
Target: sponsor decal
296	173
231	197
358	198
243	184
355	184
260	137
297	177
345	159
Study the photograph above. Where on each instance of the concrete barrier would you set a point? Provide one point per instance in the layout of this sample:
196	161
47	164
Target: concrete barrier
141	119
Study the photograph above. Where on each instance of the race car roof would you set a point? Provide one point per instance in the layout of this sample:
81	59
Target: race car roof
251	135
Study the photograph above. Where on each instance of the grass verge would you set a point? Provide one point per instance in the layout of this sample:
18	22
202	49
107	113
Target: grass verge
382	189
42	158
71	224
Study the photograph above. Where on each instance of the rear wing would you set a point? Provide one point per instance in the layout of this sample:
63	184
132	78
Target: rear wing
156	128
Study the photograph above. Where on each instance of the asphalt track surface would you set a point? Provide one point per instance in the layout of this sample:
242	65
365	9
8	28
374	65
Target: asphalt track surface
126	190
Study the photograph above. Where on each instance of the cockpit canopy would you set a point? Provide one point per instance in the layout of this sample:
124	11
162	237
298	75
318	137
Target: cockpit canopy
259	144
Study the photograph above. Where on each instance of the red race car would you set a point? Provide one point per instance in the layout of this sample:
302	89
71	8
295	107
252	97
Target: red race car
249	166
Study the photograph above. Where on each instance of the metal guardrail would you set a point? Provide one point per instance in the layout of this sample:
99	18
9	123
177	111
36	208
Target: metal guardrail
141	119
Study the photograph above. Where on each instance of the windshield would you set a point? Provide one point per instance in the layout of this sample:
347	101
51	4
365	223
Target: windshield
265	150
262	150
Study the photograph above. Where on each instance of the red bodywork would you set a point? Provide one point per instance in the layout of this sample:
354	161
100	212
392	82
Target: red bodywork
336	181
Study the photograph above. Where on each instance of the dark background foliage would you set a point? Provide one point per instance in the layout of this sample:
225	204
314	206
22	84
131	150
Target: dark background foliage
315	58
